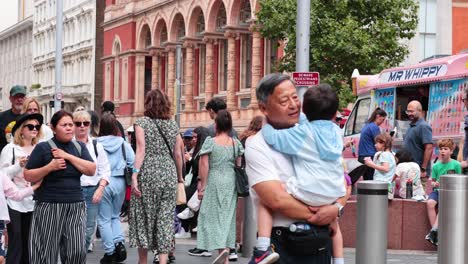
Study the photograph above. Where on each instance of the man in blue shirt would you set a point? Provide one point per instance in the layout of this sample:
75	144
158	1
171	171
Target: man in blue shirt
418	138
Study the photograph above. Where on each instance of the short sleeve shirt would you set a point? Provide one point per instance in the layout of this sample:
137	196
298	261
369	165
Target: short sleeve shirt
409	171
366	141
7	119
418	135
451	167
266	164
384	157
61	186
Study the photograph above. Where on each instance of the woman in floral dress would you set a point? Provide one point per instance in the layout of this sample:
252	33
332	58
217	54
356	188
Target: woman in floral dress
155	177
217	189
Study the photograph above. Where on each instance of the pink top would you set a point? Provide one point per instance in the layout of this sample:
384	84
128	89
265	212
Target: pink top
12	192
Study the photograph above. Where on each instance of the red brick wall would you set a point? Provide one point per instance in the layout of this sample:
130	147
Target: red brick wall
126	34
460	29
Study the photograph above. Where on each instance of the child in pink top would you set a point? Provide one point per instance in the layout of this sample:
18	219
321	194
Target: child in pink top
9	190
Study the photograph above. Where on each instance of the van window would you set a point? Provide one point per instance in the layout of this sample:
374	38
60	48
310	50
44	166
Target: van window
358	117
405	95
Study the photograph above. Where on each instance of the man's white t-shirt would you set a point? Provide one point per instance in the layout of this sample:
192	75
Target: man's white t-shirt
263	163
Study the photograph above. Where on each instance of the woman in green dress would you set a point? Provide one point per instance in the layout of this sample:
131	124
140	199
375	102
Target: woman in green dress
217	189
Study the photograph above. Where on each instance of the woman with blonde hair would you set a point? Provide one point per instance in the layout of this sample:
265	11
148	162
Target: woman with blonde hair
26	133
31	106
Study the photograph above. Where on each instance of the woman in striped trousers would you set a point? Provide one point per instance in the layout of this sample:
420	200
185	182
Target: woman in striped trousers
59	218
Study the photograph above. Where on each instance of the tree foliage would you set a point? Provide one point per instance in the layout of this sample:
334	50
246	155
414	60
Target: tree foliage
344	34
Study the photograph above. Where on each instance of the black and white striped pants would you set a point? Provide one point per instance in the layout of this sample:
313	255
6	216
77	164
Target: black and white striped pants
58	227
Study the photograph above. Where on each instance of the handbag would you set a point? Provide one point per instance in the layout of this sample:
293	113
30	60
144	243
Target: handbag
242	182
181	198
128	171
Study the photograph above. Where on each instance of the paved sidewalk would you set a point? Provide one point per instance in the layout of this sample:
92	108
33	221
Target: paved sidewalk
413	257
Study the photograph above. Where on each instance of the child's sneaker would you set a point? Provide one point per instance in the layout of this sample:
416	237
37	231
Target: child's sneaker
432	237
264	257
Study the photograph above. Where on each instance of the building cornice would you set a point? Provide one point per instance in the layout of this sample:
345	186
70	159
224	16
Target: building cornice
18	27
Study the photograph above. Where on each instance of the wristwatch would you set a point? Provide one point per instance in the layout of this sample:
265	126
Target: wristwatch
135	170
423	169
340	208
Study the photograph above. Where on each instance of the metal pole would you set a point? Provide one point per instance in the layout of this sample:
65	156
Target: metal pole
249	236
58	56
178	84
372	205
453	219
302	40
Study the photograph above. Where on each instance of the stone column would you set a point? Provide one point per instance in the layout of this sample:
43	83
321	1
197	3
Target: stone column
139	84
256	65
188	88
171	74
155	69
231	101
209	74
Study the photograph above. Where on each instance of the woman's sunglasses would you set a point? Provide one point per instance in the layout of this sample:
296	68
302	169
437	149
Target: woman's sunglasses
85	123
32	127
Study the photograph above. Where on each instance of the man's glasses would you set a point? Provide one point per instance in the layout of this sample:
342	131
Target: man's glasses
32	127
85	123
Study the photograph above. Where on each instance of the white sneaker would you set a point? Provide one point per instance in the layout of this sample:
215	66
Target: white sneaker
91	246
182	234
195	229
186	214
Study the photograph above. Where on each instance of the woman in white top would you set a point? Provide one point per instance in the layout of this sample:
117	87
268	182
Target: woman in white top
26	133
31	106
92	187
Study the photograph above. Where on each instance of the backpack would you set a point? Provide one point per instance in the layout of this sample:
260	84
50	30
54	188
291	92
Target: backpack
95	148
77	145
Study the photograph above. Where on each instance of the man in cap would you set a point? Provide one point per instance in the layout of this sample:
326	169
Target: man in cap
8	117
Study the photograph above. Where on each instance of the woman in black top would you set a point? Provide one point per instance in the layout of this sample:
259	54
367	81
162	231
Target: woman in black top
59	216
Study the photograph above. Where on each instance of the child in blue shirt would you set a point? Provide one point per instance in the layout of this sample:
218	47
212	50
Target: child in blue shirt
315	146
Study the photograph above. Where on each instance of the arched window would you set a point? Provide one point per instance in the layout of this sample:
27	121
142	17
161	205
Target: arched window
221	19
163	38
180	27
148	39
200	24
245	12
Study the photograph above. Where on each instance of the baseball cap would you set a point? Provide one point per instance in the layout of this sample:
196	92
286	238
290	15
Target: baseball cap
188	133
18	89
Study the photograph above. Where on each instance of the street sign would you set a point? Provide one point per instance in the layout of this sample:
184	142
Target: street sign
306	78
59	96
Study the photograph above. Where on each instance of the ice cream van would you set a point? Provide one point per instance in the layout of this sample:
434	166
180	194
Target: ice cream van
438	84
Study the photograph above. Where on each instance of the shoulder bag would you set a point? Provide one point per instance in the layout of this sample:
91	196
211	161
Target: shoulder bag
242	182
128	171
181	197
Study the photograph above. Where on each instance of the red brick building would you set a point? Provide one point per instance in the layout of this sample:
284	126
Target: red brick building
459	26
223	55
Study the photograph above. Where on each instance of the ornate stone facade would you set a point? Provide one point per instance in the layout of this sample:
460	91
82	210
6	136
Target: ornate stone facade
222	56
78	49
15	58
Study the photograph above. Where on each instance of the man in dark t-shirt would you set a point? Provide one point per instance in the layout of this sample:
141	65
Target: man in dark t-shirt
8	117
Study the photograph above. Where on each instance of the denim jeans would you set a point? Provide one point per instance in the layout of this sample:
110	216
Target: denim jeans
91	212
109	211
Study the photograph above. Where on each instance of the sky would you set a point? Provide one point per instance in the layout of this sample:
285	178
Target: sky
8	13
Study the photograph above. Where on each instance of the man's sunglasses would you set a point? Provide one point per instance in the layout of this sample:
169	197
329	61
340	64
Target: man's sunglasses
85	123
32	127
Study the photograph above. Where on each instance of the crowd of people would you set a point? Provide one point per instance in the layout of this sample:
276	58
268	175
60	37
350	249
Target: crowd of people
67	177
